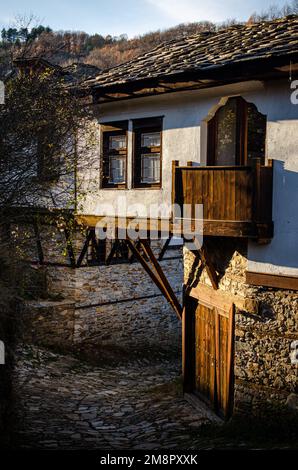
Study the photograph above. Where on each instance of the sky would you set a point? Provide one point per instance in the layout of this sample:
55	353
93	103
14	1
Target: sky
132	17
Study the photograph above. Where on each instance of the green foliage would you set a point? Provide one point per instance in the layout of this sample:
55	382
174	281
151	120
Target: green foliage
22	34
39	124
66	47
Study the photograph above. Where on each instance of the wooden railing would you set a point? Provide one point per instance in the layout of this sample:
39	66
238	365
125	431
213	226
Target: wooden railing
237	200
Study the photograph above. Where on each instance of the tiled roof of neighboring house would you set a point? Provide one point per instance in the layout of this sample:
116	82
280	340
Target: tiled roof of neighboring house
207	50
77	72
73	74
22	63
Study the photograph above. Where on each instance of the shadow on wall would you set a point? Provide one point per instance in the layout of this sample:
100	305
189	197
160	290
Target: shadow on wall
282	251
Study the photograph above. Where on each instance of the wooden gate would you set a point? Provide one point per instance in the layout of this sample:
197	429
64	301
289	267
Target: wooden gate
209	350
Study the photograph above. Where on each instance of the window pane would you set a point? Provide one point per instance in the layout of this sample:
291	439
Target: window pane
226	134
150	139
117	142
150	168
117	169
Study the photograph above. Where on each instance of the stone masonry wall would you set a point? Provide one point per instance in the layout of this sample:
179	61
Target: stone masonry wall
264	375
116	306
50	323
119	305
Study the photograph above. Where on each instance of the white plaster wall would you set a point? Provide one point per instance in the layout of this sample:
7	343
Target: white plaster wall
184	138
281	255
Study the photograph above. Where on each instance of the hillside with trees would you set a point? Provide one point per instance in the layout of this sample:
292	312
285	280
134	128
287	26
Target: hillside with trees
68	47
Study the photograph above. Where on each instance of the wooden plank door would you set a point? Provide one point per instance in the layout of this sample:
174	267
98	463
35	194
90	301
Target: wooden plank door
214	336
224	342
205	372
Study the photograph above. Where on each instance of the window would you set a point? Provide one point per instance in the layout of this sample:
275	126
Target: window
150	168
236	134
114	155
117	169
147	152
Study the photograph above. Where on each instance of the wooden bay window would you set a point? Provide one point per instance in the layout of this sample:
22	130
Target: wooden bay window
236	134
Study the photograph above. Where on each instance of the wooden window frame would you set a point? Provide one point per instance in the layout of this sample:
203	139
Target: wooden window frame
107	130
241	134
154	124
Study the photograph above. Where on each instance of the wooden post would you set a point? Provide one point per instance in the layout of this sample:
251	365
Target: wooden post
188	342
164	248
85	248
230	372
38	242
175	163
207	264
217	359
69	248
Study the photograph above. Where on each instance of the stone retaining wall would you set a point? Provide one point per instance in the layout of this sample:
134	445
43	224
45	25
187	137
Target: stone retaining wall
117	306
49	323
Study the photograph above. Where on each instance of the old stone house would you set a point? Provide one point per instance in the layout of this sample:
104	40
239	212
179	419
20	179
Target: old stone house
211	120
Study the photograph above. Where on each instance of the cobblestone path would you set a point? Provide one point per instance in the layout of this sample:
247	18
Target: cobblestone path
64	403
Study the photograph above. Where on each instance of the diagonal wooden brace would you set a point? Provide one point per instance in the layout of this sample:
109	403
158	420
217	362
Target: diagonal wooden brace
85	248
207	264
156	274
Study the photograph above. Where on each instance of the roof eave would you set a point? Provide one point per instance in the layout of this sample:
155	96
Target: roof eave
265	68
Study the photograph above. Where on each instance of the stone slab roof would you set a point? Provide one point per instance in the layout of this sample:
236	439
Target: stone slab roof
79	72
207	50
73	74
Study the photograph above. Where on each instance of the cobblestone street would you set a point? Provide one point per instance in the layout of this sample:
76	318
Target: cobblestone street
63	403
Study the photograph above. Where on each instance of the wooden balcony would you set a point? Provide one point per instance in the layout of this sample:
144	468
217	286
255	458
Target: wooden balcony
237	200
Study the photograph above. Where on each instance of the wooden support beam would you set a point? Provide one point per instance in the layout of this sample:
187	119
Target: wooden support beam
272	280
69	248
148	250
207	264
164	248
132	256
257	189
175	163
112	252
138	247
95	245
140	258
155	276
85	248
222	300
